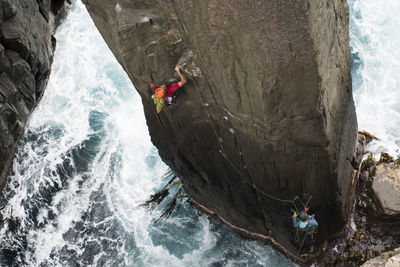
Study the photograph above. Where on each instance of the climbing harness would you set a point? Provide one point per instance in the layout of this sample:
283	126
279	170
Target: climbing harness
311	234
306	233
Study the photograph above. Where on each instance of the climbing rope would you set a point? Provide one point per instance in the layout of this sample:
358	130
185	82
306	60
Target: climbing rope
222	151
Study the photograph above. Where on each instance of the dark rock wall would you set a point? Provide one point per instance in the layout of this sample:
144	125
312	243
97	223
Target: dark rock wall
331	44
274	77
26	53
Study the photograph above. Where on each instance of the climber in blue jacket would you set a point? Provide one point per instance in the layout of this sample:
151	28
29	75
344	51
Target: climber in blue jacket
305	222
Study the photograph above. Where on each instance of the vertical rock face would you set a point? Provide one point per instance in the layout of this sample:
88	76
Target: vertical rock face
26	52
273	75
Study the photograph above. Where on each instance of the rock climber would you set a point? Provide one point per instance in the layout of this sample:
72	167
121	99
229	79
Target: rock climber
305	222
164	93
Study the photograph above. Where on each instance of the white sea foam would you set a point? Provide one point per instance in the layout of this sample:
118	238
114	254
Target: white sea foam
376	67
90	101
86	162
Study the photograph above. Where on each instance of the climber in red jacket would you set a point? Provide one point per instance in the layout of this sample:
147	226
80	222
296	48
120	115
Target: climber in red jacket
167	91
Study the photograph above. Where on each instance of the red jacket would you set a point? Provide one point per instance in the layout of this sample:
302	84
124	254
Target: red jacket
171	89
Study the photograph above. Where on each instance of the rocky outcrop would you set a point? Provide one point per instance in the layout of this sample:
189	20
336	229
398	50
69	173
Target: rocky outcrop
386	188
268	110
383	188
26	52
387	259
366	235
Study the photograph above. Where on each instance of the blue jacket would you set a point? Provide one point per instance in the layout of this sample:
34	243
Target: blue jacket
311	224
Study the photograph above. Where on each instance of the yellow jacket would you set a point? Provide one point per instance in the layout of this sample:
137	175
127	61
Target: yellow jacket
159	102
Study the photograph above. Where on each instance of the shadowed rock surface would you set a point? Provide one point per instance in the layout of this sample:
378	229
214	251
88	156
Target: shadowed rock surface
369	233
274	77
26	53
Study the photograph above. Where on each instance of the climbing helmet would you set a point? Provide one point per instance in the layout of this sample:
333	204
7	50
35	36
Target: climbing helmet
159	93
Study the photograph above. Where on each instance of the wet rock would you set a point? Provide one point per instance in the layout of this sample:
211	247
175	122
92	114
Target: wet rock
274	79
26	54
386	189
368	235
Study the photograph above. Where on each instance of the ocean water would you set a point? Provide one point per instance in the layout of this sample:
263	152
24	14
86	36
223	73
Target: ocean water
375	42
86	163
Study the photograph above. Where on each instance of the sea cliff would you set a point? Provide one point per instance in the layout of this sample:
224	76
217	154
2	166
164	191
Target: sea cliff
267	113
26	53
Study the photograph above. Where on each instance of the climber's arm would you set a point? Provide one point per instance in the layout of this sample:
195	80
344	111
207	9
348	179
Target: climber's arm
183	79
295	221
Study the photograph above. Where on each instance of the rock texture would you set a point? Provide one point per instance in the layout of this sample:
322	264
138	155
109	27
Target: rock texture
365	235
386	188
387	259
26	53
274	76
